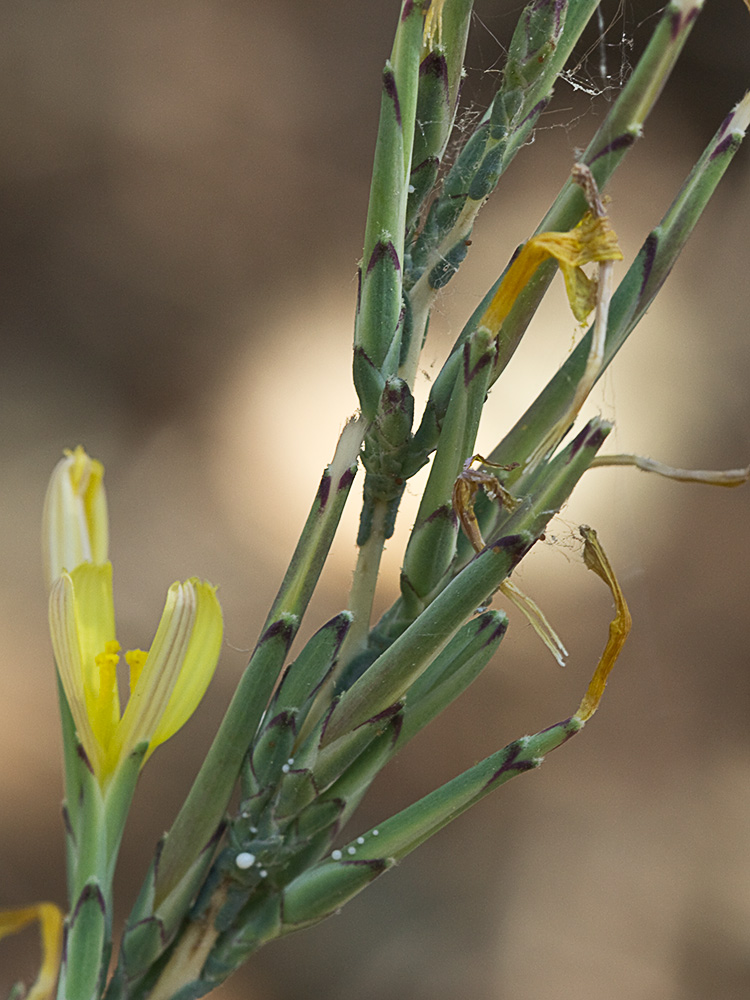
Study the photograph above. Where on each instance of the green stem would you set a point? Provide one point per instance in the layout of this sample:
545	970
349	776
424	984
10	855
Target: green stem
364	584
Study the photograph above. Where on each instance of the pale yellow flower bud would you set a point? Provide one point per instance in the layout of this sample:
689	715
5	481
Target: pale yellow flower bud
74	521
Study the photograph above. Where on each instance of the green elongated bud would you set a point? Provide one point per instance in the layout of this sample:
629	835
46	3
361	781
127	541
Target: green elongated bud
296	790
118	799
323	890
402	833
79	782
449	263
305	901
271	752
450	41
336	756
298	786
537	31
446	210
452	671
434	121
380	316
386	447
86	951
433	540
432	545
437	99
368	379
303	678
378	325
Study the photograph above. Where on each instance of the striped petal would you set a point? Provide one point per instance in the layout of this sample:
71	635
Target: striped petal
82	626
177	669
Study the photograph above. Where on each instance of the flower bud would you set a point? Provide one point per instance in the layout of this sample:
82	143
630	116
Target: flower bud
74	521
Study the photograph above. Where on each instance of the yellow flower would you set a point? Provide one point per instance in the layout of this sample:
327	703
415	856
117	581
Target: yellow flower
74	522
166	683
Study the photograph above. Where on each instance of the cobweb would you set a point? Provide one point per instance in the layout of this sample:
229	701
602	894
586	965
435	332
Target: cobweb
599	67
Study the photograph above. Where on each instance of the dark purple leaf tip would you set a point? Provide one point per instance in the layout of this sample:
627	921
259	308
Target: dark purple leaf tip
327	720
516	545
444	513
67	824
340	625
511	764
430	163
681	22
89	892
623	141
577	443
728	144
154	922
648	253
213	840
347	478
376	865
562	725
484	359
82	754
597	437
382	250
385	716
405	583
280	629
284	720
391	91
725	124
497	623
560	8
324	489
435	64
361	355
536	110
395	396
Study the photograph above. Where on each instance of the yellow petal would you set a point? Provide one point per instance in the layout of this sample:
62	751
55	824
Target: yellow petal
178	668
74	520
95	624
592	240
619	628
51	924
433	25
82	626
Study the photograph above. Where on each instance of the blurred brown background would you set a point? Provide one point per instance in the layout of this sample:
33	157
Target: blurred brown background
183	193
